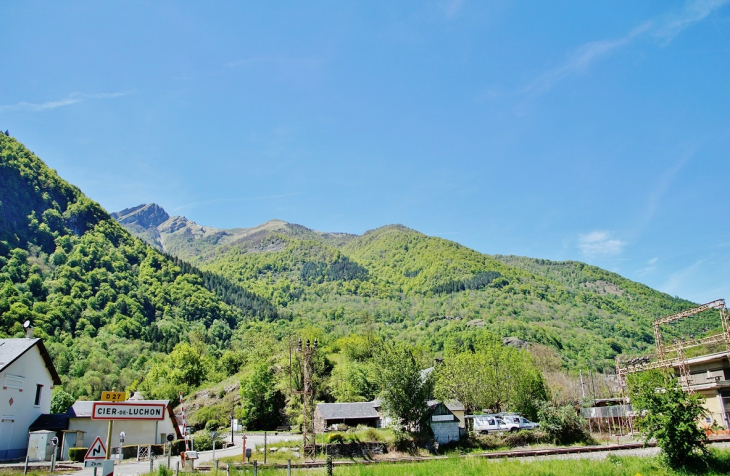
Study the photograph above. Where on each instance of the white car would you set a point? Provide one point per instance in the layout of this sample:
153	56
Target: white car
520	423
492	423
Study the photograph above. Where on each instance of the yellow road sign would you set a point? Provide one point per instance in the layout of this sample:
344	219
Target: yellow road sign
113	396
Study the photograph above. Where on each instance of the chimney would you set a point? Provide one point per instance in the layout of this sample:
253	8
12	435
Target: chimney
28	329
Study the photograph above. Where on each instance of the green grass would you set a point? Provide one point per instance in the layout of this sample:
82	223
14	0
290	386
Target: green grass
717	464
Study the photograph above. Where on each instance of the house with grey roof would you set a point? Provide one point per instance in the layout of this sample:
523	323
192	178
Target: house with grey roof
27	377
326	415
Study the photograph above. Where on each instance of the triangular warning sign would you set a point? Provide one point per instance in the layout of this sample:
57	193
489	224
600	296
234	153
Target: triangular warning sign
97	450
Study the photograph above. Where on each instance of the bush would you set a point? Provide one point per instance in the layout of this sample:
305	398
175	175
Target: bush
203	442
671	416
371	435
77	454
212	425
335	438
178	446
563	424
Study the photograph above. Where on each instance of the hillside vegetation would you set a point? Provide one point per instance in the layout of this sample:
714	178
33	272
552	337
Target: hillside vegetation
430	291
107	304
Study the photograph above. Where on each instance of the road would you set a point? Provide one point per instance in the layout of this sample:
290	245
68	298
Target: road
133	468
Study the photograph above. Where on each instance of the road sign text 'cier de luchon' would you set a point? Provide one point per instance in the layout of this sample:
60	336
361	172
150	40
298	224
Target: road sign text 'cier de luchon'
128	411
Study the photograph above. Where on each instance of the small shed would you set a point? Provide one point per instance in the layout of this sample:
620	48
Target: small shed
40	447
443	422
351	414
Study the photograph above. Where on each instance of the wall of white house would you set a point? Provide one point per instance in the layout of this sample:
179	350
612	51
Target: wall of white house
18	409
139	432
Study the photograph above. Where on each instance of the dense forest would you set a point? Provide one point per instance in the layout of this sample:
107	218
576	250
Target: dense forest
106	303
116	312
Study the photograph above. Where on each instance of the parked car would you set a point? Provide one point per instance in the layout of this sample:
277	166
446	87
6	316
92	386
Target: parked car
519	422
493	423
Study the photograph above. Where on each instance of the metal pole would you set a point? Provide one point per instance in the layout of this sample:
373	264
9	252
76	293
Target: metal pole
265	449
152	462
109	439
582	387
216	465
214	448
53	460
169	454
255	467
25	469
177	468
288	467
231	426
329	466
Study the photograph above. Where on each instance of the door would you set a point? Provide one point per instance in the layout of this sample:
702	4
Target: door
6	435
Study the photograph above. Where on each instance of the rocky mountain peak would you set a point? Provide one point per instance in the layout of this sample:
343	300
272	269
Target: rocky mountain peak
145	215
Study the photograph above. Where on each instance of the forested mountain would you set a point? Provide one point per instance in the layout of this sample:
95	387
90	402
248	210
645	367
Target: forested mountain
434	292
107	304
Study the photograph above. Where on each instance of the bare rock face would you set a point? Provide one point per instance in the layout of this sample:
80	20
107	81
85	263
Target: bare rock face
514	342
145	215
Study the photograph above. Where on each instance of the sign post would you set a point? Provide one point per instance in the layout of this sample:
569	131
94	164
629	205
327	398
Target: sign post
95	455
116	410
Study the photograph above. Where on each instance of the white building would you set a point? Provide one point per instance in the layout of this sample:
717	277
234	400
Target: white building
137	432
27	377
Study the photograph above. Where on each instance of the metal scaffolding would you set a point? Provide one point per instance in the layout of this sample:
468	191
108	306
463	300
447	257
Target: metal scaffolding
674	355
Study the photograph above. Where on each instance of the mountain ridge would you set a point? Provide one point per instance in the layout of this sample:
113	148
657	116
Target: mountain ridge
407	279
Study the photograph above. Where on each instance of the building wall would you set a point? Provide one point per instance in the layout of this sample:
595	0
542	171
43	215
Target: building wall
141	432
445	431
15	418
713	405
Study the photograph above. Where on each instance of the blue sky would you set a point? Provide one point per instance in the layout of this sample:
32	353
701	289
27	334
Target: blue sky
592	131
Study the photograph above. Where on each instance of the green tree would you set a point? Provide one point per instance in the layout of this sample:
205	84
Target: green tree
493	376
61	401
403	391
671	416
260	399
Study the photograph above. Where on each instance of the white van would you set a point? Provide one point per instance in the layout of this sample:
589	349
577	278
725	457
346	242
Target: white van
492	423
520	422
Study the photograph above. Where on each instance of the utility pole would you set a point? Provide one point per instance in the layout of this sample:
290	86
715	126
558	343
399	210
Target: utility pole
582	387
309	443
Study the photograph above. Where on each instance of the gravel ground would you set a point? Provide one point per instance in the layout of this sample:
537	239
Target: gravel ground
603	454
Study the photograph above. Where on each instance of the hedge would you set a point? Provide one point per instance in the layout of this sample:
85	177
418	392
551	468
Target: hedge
77	454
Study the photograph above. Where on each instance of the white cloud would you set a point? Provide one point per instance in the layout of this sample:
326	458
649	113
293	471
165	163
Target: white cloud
72	98
649	268
674	23
599	243
581	59
666	27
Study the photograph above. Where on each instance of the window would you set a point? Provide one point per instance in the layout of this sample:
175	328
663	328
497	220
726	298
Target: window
38	389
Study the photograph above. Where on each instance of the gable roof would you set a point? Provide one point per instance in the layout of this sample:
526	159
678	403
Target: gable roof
12	349
345	411
452	405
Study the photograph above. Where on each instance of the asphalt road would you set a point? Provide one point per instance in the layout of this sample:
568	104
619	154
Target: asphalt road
133	468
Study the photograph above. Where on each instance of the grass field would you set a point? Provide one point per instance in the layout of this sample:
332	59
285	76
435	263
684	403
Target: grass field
717	464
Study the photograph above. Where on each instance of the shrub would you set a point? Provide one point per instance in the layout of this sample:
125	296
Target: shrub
77	454
212	425
671	416
178	446
203	442
403	442
336	437
371	435
563	424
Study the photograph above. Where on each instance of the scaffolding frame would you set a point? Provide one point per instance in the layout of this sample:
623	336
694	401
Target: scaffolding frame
663	355
309	440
